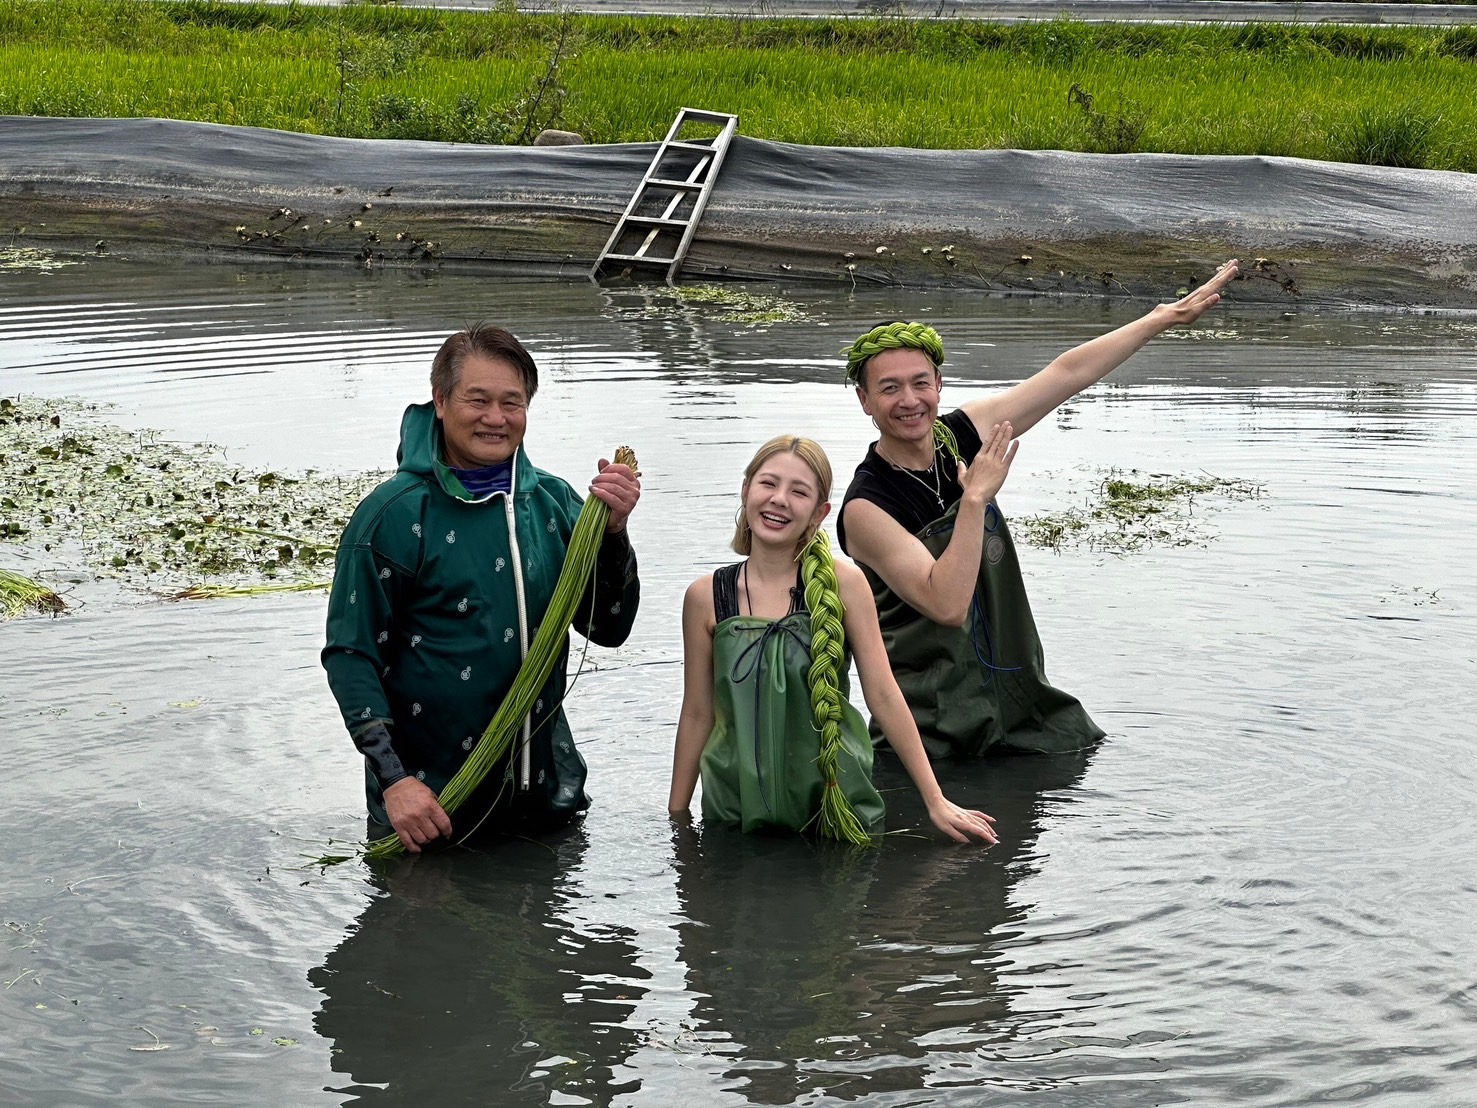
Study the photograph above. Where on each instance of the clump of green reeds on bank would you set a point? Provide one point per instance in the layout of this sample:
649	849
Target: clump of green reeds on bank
1385	95
160	516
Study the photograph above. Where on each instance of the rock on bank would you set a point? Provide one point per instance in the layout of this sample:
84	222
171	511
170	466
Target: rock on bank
1308	232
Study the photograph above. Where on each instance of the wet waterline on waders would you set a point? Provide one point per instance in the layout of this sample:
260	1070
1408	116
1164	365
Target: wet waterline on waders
1251	893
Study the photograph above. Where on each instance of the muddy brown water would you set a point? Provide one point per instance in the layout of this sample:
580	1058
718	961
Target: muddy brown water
1259	890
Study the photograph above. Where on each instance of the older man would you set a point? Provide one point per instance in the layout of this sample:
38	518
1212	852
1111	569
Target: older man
443	575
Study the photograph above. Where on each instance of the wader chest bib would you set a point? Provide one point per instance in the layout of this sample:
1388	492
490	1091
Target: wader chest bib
759	765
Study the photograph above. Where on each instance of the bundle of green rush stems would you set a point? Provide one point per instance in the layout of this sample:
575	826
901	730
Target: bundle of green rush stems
19	595
547	646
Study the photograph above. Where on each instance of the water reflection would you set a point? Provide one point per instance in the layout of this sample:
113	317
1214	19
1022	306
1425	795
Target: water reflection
1250	897
125	318
818	968
467	980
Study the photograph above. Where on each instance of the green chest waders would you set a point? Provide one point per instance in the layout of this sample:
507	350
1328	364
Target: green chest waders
983	684
759	766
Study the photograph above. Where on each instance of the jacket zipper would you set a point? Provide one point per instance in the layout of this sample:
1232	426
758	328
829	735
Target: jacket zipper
525	756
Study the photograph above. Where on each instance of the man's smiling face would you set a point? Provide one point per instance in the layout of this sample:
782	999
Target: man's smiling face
484	417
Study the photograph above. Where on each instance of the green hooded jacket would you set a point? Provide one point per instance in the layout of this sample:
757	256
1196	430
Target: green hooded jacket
436	597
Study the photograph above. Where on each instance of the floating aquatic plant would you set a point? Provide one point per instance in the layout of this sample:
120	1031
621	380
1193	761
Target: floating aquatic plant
19	595
739	306
1128	512
1202	334
731	303
1415	596
33	258
162	515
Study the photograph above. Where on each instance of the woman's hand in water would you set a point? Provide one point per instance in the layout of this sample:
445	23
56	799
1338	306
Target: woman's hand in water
962	824
982	478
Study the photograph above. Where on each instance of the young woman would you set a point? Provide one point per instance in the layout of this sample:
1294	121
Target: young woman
765	718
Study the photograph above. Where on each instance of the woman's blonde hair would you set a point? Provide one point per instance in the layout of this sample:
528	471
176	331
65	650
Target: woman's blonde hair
808	451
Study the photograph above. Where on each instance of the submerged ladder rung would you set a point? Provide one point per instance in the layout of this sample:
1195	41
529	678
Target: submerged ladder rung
668	183
647	258
657	221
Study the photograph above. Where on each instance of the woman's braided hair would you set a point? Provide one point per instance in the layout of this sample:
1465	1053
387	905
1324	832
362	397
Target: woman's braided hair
838	819
895	335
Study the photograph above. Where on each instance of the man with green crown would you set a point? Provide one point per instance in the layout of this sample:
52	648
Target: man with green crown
443	576
921	521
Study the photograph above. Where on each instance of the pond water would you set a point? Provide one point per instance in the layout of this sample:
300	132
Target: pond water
1259	890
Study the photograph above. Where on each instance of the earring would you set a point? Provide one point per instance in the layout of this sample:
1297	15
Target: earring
875	423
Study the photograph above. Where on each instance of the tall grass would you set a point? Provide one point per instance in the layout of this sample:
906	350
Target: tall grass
1390	134
377	71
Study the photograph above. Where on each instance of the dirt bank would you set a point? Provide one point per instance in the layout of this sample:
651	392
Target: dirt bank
1313	233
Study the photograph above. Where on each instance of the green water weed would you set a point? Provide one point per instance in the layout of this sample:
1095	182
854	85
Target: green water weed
1127	512
736	305
159	515
32	259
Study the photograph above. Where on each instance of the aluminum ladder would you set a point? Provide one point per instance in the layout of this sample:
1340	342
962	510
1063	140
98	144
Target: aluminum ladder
658	224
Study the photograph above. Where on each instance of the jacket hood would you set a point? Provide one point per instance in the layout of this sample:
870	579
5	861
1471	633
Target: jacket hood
421	454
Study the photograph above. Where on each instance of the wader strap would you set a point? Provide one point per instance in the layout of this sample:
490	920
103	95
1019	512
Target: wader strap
725	592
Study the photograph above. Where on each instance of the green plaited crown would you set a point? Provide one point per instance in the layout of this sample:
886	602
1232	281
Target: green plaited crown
893	336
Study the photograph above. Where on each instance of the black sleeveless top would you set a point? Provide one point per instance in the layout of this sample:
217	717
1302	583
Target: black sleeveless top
725	593
908	495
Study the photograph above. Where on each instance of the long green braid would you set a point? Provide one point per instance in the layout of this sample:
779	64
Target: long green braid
892	336
838	819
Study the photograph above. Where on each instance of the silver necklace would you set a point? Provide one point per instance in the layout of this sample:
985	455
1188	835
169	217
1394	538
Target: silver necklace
937	488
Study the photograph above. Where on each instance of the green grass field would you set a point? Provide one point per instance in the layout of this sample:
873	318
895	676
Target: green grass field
1392	96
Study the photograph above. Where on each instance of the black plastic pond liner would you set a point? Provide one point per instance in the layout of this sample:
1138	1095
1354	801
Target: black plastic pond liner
1317	233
